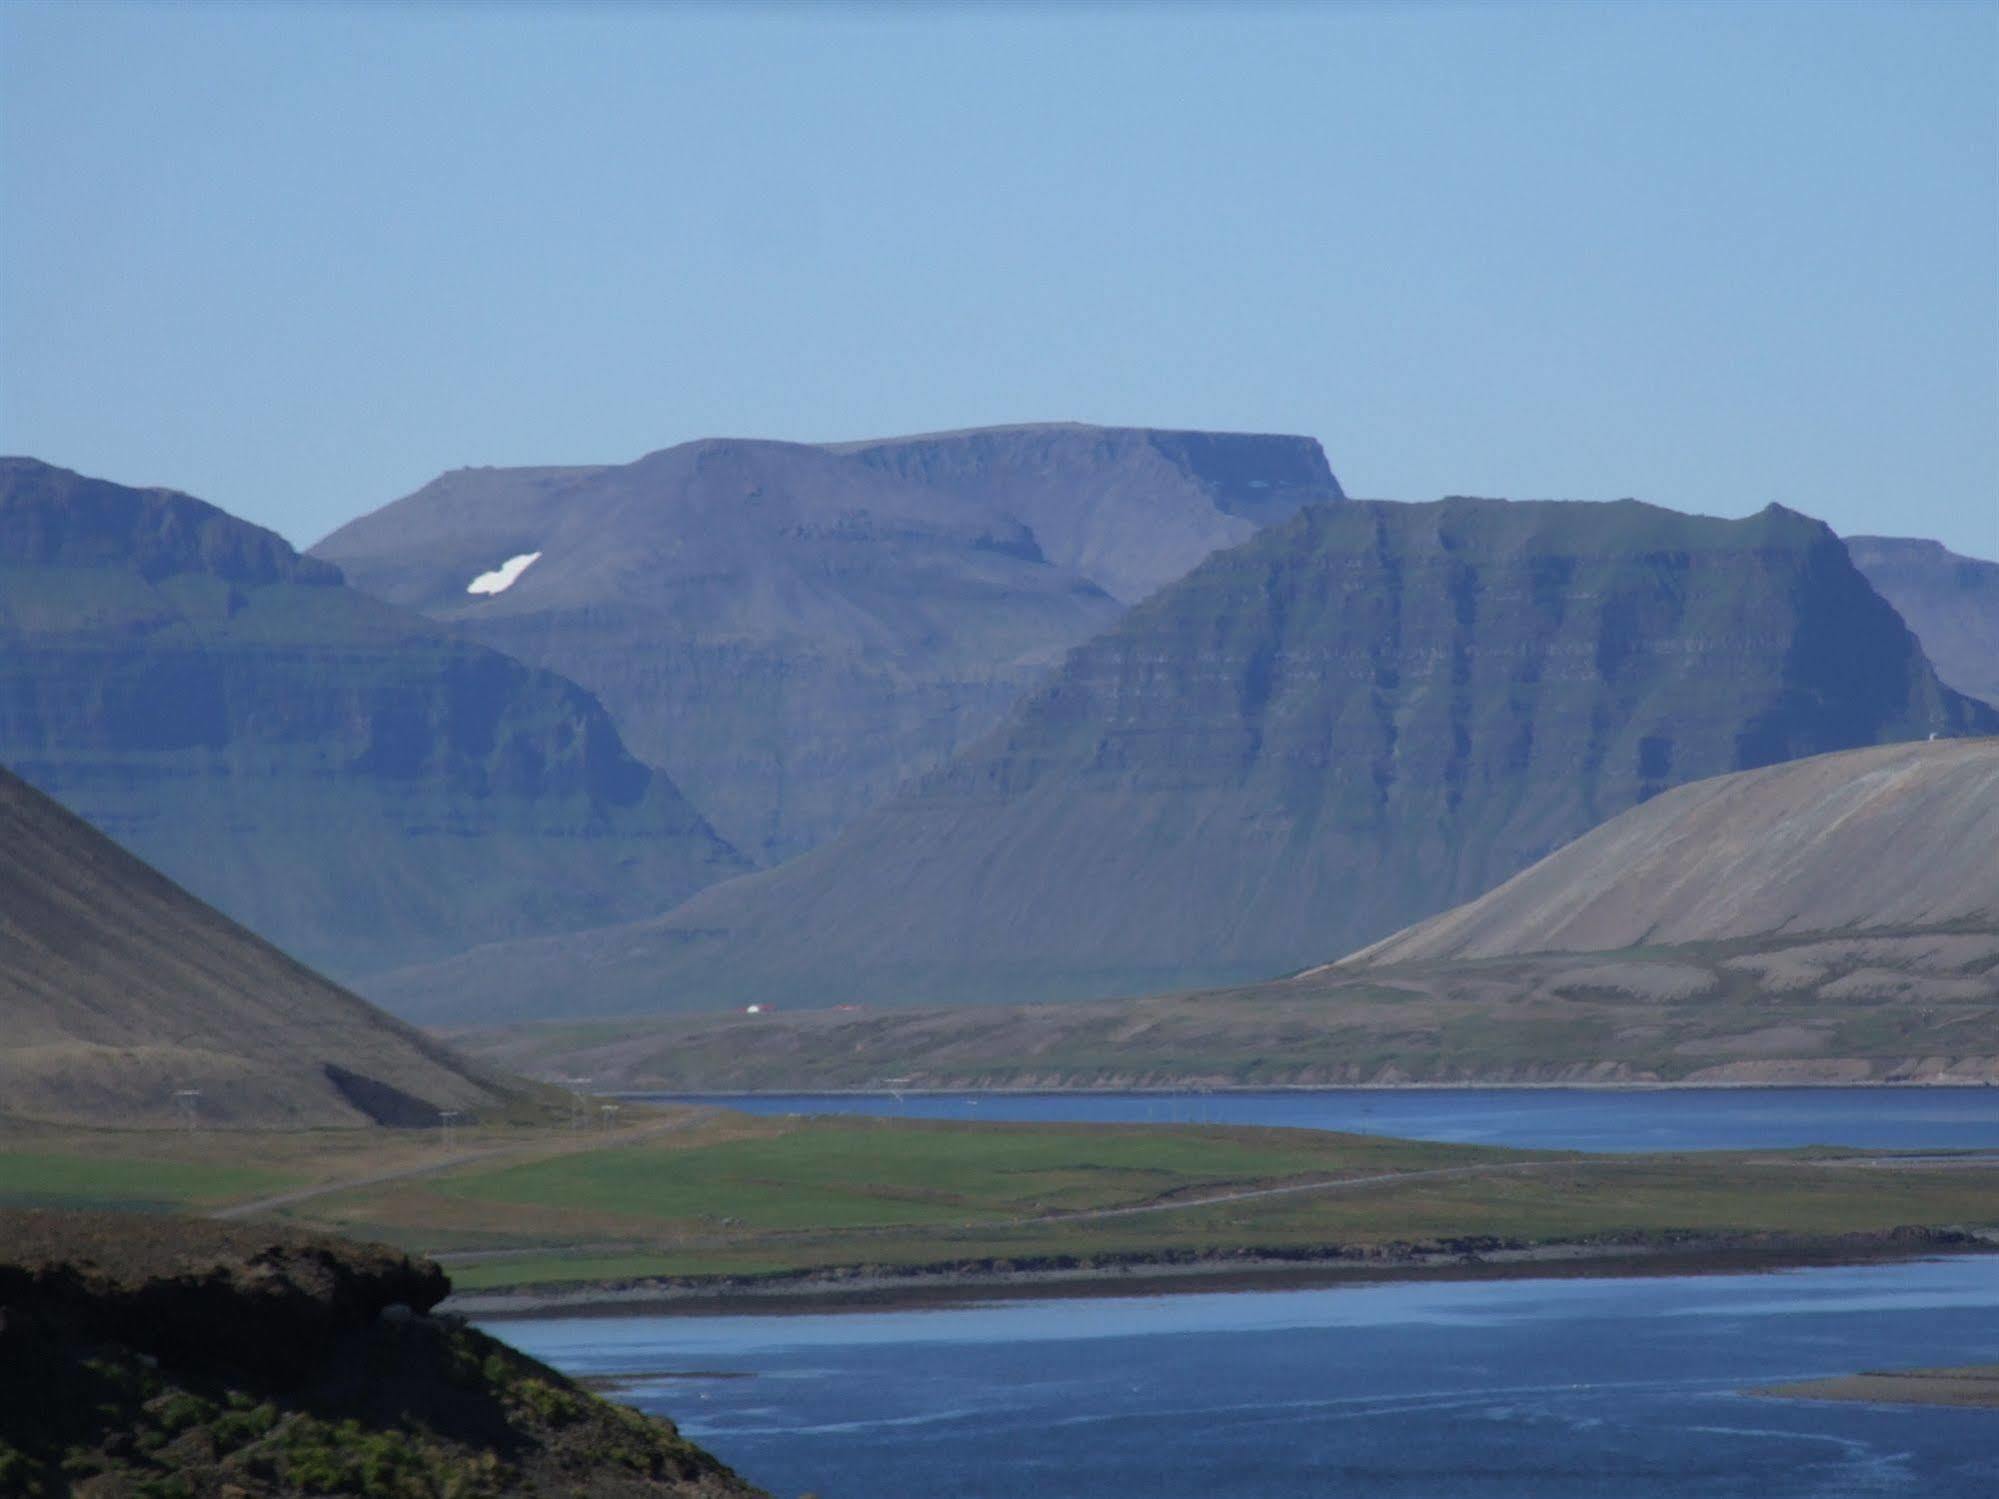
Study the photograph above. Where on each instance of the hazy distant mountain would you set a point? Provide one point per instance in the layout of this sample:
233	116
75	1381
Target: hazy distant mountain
1354	719
119	989
346	778
795	631
1951	602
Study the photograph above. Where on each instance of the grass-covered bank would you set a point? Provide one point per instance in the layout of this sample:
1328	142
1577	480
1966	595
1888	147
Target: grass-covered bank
693	1199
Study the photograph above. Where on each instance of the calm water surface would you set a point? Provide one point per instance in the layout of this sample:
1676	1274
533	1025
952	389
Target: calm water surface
1490	1390
1551	1118
1521	1389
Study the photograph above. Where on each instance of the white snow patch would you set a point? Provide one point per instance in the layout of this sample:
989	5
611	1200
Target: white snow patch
503	577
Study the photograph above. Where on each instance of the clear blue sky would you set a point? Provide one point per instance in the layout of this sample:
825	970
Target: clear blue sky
299	259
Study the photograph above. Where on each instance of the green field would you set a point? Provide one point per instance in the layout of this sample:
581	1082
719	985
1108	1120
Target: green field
695	1194
54	1180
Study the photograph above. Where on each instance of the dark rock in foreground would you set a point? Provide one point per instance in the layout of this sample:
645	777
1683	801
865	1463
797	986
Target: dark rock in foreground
163	1356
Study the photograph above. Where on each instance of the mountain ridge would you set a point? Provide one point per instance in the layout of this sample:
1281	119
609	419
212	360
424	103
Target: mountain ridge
347	778
1357	718
794	630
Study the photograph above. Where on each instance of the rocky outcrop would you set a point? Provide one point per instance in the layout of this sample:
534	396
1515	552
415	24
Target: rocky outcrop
794	631
345	778
1357	718
143	1355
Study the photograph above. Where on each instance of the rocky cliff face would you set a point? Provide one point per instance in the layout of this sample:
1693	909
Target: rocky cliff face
795	631
1355	719
343	777
1951	602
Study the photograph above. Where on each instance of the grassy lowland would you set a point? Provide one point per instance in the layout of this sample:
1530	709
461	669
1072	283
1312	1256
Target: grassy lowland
709	1201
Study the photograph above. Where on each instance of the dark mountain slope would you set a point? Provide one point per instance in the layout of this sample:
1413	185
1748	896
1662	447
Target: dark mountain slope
1951	602
346	778
118	988
795	631
1351	721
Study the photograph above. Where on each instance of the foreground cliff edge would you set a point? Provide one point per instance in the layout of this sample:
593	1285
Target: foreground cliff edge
144	1355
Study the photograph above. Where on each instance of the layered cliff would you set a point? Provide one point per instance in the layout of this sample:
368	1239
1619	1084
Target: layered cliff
347	779
1355	719
795	631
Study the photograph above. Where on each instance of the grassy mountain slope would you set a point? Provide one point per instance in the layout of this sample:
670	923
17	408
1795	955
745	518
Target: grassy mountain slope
1352	721
348	779
119	988
794	631
1951	602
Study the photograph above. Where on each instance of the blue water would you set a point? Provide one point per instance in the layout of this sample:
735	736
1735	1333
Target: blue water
1499	1390
1549	1118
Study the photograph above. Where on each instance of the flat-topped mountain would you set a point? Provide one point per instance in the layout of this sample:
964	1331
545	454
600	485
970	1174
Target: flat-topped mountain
346	778
1951	602
794	631
1353	720
120	989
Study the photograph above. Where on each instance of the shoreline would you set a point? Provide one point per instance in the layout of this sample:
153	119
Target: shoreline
1195	1090
864	1290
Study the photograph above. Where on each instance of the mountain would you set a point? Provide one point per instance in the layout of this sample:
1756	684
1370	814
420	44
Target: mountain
1768	852
351	781
1951	602
1351	721
794	631
119	989
1831	919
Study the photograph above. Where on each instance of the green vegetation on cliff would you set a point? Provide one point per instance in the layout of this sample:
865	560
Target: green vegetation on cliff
165	1359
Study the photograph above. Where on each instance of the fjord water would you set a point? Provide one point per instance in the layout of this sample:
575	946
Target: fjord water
1612	1119
1502	1390
1496	1389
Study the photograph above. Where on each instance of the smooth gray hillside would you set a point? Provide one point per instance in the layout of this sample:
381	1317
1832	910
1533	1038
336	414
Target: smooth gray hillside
1951	602
794	631
1356	719
1897	836
120	989
345	778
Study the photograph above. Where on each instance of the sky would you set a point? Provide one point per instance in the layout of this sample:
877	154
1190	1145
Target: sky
299	259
